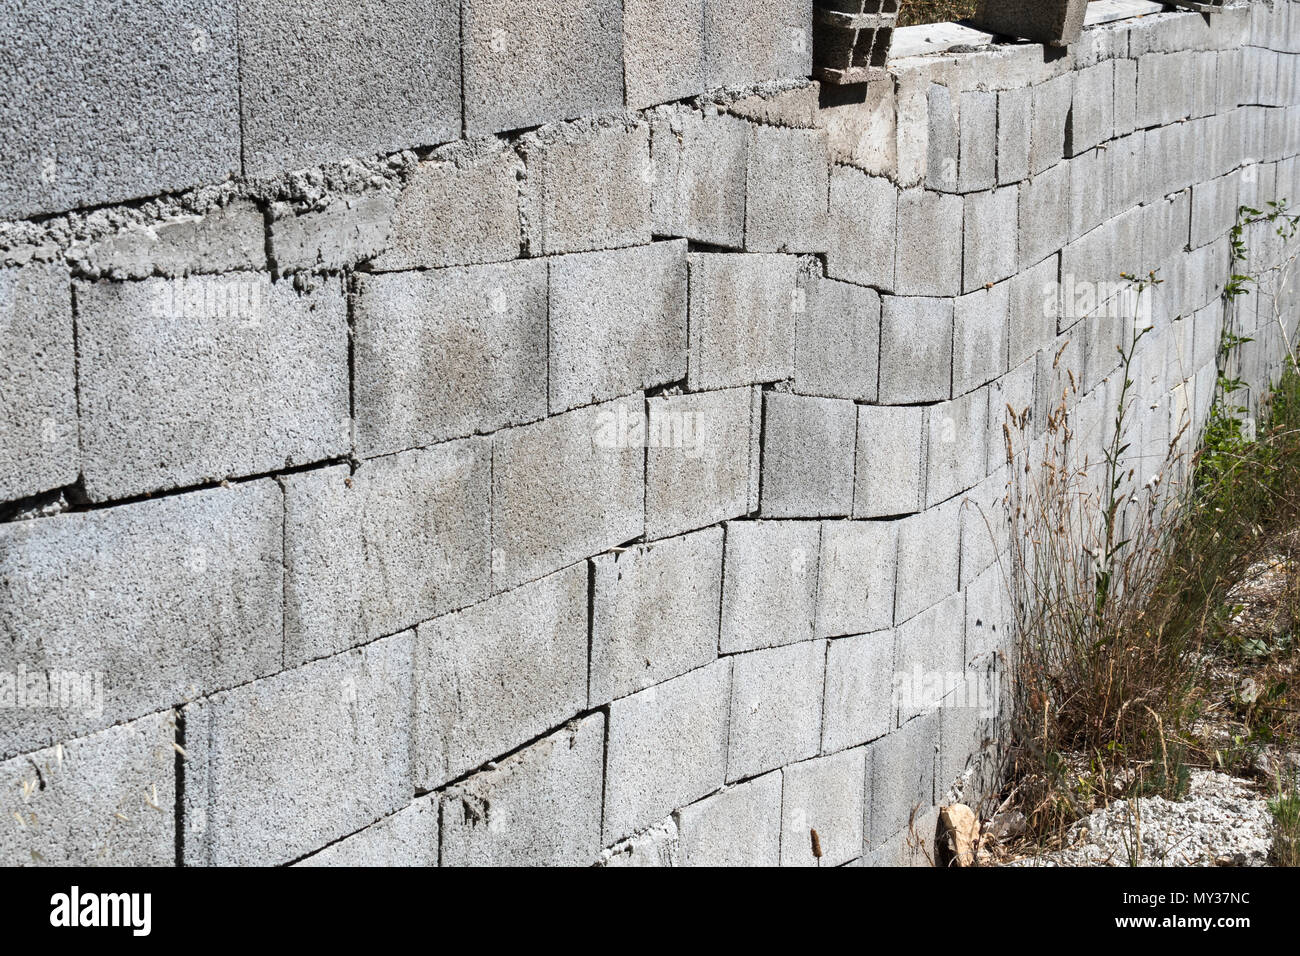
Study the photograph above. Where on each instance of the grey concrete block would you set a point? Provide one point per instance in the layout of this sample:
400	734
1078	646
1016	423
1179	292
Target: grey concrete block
742	319
655	613
776	707
447	353
985	518
174	380
855	591
791	106
617	323
271	767
108	799
929	657
1092	113
663	50
538	807
566	488
667	747
698	471
1015	126
837	341
1035	305
826	795
495	675
890	449
347	231
1165	84
955	446
863	224
524	66
750	42
929	553
1053	22
38	394
741	826
588	187
460	207
657	846
979	141
943	145
1128	179
1125	107
1044	219
1052	101
110	595
75	72
786	191
989	246
1089	201
1011	404
228	238
1214	210
979	339
407	838
990	619
700	164
310	92
915	348
808	456
928	255
900	779
859	703
769	585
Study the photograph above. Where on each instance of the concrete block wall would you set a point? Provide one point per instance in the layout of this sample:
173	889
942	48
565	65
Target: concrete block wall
579	486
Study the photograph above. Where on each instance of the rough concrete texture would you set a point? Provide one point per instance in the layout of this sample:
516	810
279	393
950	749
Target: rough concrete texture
808	456
538	807
855	590
348	230
492	677
74	72
741	826
755	40
108	799
928	257
900	779
184	381
859	702
915	348
700	163
544	61
929	553
863	222
743	314
270	766
890	456
309	91
407	838
663	50
111	595
837	341
776	698
824	795
786	189
38	395
655	612
769	590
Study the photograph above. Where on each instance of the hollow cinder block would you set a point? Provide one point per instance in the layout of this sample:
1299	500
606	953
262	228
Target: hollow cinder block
1054	22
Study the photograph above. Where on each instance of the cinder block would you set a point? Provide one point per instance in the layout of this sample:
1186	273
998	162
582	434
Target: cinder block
929	552
73	77
1092	113
1055	22
228	238
808	453
989	251
1214	210
1015	125
498	674
1128	178
944	141
826	795
863	225
1052	101
404	539
929	658
657	846
859	702
588	187
38	394
191	380
966	768
663	50
915	349
567	488
742	319
447	353
271	767
890	449
753	41
538	807
979	337
407	838
928	255
979	141
108	799
700	166
667	747
111	595
955	449
1164	88
1089	201
741	826
460	207
900	779
776	707
837	341
1044	219
1035	306
617	323
1125	97
769	585
697	468
985	520
855	591
990	622
524	66
1011	395
786	190
655	613
791	106
349	230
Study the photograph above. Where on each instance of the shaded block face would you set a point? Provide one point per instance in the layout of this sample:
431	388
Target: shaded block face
73	73
700	167
1054	22
311	93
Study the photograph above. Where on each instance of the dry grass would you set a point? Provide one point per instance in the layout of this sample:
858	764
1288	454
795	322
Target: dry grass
914	12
